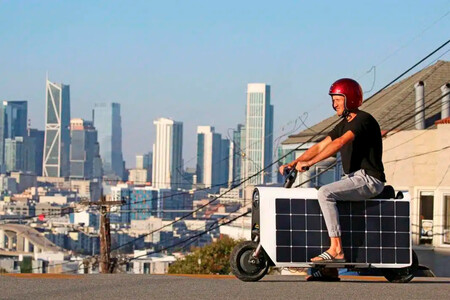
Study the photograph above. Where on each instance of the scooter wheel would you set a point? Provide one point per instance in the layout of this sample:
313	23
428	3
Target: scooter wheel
402	275
243	266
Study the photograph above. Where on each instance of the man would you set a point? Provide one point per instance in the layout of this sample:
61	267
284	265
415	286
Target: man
358	138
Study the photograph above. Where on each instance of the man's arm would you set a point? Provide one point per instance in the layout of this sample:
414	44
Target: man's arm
330	149
312	151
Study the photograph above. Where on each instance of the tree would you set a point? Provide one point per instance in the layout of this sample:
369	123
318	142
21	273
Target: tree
210	259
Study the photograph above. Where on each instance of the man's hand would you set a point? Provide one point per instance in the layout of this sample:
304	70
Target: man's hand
281	169
302	166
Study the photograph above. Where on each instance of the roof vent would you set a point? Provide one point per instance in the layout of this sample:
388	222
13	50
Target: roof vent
420	105
445	101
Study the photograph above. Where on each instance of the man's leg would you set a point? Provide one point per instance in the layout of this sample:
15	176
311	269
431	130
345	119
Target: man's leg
356	186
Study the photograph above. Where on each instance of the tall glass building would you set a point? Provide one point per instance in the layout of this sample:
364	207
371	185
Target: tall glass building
108	122
13	123
36	138
84	150
235	156
168	154
57	134
258	134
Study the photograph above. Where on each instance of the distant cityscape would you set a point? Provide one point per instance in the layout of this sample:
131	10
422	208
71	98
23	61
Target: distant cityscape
48	176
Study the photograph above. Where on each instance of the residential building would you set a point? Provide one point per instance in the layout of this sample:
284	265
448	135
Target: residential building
143	171
57	135
258	134
108	122
167	154
138	176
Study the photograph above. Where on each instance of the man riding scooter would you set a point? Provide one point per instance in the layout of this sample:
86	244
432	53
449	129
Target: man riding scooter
358	139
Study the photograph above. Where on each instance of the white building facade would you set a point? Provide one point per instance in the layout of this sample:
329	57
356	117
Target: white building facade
258	134
167	154
57	134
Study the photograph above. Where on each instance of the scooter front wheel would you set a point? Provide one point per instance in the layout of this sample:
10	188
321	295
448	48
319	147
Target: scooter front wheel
246	267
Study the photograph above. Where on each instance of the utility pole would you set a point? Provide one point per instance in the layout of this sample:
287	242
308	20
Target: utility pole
105	238
105	234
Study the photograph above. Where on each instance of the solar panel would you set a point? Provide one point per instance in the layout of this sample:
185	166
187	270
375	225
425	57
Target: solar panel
373	231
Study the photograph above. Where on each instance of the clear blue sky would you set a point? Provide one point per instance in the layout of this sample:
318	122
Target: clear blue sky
191	60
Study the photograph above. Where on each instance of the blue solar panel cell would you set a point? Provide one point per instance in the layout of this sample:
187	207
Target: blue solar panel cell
402	256
344	208
402	209
298	206
402	224
387	208
283	222
373	223
284	254
387	224
298	238
283	238
298	222
388	256
373	208
312	207
283	206
299	254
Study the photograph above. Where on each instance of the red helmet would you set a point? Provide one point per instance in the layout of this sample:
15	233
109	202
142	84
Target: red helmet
350	89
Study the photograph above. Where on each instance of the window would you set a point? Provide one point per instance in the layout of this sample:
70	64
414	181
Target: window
324	178
447	219
426	217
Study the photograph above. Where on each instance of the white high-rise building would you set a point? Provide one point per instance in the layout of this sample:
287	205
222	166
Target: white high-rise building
208	156
57	134
258	134
167	154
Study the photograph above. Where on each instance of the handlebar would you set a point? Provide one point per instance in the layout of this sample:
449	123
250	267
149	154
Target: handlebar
290	176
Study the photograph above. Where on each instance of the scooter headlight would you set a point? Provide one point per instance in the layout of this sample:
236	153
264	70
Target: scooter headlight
255	198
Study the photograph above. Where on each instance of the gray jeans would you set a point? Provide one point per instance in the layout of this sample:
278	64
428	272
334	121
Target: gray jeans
354	186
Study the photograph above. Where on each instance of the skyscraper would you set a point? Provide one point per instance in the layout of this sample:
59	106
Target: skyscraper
84	150
144	162
13	123
224	162
57	134
167	154
235	156
258	133
15	154
36	138
107	121
208	156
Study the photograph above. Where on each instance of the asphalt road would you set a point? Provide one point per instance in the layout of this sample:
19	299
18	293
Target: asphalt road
118	286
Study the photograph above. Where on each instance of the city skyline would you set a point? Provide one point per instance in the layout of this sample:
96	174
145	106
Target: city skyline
192	62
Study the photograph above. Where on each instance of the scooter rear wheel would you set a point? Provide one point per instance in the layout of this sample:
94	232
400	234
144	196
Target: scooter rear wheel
402	275
244	266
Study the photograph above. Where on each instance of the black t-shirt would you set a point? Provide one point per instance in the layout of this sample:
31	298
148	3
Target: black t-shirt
365	151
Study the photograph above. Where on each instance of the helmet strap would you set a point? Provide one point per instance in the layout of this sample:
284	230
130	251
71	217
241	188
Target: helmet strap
345	114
